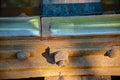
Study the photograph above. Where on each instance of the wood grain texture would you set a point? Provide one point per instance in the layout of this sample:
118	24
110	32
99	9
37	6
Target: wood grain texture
80	78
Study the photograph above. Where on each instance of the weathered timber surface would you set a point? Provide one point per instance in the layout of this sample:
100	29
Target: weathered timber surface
39	67
80	78
86	57
75	47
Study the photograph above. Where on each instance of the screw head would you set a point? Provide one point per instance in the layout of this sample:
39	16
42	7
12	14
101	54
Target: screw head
23	55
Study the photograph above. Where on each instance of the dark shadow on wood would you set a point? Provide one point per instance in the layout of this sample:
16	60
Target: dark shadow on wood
49	56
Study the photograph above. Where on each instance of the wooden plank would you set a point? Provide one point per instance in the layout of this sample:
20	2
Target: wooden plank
48	73
79	78
39	67
39	61
75	47
95	77
64	78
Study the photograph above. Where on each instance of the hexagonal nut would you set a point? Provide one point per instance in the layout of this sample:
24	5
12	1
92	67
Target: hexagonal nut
23	55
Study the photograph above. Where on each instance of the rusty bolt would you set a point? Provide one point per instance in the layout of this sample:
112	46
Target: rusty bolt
23	55
61	58
61	63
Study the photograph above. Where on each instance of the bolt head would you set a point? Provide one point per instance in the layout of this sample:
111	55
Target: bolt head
61	63
61	58
23	55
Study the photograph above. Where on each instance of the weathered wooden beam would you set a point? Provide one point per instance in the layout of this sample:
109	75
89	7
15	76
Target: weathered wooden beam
39	67
79	78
